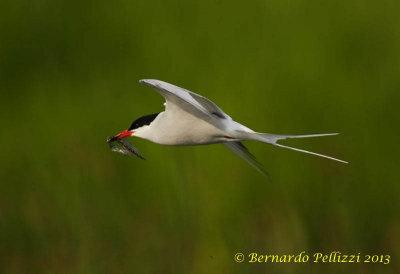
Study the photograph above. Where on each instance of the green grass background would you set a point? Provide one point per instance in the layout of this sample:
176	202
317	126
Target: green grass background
69	74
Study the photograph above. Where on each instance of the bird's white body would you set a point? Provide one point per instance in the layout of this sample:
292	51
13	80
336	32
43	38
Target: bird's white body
179	128
191	119
185	131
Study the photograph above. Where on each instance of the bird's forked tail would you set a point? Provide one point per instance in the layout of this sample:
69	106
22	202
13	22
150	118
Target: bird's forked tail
274	138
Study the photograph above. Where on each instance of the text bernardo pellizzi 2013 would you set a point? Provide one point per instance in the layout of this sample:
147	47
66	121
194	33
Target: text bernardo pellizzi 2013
317	257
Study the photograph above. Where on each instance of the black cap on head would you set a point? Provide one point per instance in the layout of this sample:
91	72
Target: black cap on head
143	121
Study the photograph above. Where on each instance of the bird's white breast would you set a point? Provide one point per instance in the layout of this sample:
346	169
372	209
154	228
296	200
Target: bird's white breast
183	129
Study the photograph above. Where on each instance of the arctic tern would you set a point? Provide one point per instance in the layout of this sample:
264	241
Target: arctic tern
191	119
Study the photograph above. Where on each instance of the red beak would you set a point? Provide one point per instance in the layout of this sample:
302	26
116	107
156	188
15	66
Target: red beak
123	134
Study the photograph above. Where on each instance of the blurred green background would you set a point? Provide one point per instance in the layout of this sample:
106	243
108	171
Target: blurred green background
69	74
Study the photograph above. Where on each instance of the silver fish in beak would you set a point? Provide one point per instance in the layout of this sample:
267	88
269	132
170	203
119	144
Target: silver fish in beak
125	147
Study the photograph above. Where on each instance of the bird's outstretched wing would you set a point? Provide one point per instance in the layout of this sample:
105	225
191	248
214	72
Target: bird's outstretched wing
188	101
239	149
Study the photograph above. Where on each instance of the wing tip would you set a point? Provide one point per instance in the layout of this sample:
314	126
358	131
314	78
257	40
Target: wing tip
146	82
239	149
154	83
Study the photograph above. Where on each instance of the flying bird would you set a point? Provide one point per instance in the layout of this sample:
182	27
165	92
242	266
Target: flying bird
191	119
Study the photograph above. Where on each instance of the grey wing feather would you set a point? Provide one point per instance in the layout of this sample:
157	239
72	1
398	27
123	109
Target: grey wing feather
239	149
186	99
211	107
